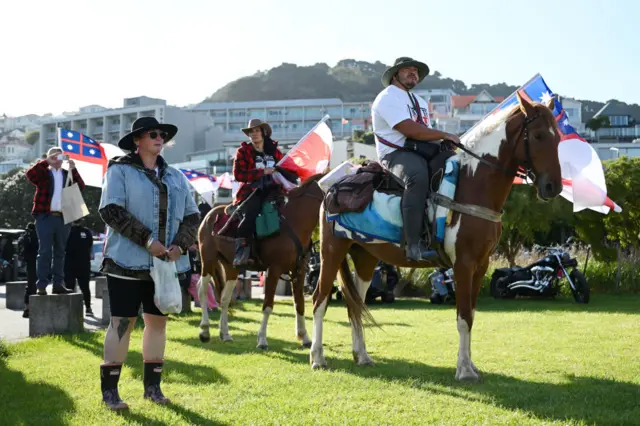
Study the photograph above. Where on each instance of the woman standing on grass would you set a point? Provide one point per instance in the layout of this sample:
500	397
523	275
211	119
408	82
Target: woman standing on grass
149	211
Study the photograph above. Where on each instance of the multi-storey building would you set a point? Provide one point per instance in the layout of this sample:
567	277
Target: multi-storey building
196	131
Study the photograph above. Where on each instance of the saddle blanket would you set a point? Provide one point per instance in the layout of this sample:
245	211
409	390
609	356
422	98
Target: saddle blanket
381	220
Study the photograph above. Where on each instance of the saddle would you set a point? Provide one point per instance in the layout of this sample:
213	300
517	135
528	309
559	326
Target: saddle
354	193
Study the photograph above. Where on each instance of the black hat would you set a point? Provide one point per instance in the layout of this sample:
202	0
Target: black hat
404	62
140	126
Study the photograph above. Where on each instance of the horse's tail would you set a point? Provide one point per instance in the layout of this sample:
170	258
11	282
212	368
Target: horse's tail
207	243
356	308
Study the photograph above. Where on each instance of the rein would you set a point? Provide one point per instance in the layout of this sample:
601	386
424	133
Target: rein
529	168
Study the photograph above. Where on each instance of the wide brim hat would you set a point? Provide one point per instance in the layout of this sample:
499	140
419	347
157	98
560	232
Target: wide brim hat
141	125
256	122
404	62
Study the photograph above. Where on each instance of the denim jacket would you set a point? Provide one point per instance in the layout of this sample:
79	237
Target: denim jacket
129	185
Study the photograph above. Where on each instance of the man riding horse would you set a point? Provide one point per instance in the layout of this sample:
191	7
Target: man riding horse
401	125
253	166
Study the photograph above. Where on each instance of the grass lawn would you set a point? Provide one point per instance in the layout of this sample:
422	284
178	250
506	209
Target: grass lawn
543	362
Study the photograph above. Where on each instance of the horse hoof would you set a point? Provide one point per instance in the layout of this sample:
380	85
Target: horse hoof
469	377
204	338
366	363
316	366
306	345
226	338
263	347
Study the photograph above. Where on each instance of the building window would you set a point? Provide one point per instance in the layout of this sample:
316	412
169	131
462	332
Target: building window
619	120
476	108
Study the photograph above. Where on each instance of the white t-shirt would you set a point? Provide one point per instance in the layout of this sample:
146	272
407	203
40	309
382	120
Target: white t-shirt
392	106
56	197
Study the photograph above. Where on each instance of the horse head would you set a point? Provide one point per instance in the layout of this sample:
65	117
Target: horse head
534	130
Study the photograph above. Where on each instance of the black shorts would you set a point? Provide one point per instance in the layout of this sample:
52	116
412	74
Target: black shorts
125	297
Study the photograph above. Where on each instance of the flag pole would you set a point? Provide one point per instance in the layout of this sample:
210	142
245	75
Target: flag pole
325	118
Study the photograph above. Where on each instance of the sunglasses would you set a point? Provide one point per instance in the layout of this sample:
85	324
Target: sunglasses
155	134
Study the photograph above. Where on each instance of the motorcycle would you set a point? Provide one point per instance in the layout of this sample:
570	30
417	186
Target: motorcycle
443	286
541	278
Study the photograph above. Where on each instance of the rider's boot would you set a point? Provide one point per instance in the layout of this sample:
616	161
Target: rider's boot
415	248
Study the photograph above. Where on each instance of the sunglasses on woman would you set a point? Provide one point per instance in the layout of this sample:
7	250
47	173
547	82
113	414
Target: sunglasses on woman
154	134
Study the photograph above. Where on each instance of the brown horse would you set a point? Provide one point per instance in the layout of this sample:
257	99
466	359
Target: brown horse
282	253
525	136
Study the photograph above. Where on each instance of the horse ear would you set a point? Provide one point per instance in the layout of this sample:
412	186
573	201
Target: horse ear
526	108
551	104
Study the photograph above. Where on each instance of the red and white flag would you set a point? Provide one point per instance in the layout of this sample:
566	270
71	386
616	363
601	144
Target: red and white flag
311	155
225	181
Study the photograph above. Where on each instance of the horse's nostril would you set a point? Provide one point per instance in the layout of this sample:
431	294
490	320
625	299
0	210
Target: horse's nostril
549	188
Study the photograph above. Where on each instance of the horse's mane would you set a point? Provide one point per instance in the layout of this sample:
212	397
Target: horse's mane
295	192
493	122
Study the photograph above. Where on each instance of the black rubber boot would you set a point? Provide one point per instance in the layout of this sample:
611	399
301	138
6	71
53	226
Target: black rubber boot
109	377
152	378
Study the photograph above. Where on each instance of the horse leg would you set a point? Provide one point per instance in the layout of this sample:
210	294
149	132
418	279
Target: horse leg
298	300
203	288
332	253
475	291
270	283
226	294
464	276
365	265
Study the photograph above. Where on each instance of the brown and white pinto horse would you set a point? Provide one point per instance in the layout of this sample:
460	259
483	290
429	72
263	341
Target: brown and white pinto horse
279	254
525	136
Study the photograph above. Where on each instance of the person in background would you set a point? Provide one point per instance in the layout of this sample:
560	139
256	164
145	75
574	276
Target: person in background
28	252
204	208
49	178
77	263
149	212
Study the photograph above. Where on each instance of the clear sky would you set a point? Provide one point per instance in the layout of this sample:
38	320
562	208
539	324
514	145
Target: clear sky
60	55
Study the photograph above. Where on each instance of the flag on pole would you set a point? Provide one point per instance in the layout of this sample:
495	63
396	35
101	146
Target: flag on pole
201	182
87	154
582	172
205	185
312	153
225	181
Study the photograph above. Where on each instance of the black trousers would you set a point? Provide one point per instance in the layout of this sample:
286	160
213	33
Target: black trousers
413	170
32	277
81	275
251	209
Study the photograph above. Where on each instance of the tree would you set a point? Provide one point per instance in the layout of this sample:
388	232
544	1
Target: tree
602	231
366	138
32	137
526	217
598	123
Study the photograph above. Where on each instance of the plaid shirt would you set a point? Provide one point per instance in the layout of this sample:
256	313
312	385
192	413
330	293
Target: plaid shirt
40	176
244	169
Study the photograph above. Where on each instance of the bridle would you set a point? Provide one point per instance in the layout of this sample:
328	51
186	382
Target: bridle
525	170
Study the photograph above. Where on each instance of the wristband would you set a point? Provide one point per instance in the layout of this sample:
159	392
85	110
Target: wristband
149	242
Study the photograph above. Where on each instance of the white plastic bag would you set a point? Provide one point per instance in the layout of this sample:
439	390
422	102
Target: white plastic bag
168	297
345	169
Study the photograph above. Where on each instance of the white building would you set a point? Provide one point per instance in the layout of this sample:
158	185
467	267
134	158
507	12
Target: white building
14	147
195	129
24	122
289	119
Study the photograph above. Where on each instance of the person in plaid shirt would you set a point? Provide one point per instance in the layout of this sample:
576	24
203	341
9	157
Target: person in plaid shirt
253	165
49	179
